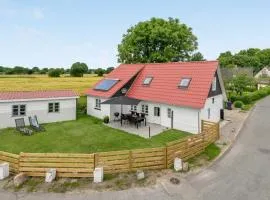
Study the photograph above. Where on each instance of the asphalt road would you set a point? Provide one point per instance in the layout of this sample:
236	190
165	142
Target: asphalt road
242	174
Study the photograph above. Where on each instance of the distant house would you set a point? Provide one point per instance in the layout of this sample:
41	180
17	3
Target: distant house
265	72
48	106
175	95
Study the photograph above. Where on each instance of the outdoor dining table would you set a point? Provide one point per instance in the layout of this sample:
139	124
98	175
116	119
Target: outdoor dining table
135	119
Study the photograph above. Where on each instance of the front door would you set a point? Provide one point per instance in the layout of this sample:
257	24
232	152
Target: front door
156	117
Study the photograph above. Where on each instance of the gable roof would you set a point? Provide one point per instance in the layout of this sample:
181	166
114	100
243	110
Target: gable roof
24	95
166	78
124	73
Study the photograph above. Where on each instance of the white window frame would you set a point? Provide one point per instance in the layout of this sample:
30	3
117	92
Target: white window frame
19	107
145	109
97	104
55	109
169	112
133	108
157	111
214	84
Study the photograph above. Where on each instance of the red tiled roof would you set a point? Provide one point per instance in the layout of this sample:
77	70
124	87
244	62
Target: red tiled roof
37	94
166	78
124	73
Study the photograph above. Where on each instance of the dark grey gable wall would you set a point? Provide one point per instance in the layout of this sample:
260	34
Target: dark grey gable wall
218	90
127	86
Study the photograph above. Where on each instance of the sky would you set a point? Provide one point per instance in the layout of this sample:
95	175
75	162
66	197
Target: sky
57	33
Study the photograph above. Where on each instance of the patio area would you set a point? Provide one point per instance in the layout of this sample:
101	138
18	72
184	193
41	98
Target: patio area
144	131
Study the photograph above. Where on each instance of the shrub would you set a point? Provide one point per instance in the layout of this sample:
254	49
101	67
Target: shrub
246	107
238	104
246	99
106	119
54	73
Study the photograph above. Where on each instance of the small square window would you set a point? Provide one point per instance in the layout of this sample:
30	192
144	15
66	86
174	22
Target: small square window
134	108
147	80
18	110
53	107
184	83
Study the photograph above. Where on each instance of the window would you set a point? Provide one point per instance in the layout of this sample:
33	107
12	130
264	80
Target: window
156	111
18	110
54	107
213	100
209	113
106	84
184	83
134	108
147	80
97	104
214	84
169	111
145	109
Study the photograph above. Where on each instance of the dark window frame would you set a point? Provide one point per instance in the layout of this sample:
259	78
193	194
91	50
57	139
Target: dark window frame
54	107
98	104
148	83
184	86
20	110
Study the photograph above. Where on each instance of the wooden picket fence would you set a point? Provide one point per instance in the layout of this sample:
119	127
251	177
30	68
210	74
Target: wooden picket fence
83	165
12	159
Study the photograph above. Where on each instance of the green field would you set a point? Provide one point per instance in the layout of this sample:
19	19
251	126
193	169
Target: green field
43	82
86	135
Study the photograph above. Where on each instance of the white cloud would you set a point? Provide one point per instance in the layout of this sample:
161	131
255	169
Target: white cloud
38	14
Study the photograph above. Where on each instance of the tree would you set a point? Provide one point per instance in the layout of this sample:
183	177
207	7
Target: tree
78	69
157	40
109	69
54	73
241	82
197	57
99	71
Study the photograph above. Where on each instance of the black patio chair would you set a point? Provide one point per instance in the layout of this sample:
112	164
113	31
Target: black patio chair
124	118
116	116
20	126
33	121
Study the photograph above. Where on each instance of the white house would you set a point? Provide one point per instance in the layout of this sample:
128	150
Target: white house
264	72
48	106
175	95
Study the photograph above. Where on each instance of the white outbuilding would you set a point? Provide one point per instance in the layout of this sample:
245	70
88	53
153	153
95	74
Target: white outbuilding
48	106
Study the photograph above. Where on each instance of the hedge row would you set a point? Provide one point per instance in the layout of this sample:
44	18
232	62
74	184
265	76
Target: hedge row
251	97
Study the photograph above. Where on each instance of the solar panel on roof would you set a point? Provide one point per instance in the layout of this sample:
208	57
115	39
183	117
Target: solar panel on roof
106	84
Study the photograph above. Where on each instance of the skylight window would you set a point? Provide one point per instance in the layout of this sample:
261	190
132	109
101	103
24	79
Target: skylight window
184	83
147	80
106	84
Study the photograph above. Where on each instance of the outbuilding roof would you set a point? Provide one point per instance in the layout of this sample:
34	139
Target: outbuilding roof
20	95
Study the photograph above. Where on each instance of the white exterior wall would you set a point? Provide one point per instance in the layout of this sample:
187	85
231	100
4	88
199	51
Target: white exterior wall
214	108
185	119
39	108
91	110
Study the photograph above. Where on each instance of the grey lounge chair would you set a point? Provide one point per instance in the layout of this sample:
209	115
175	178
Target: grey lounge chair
34	124
20	126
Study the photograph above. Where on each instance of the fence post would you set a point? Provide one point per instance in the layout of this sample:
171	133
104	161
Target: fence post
95	160
217	130
165	157
130	160
202	125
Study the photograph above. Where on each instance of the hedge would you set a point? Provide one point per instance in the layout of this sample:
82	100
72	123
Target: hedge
251	97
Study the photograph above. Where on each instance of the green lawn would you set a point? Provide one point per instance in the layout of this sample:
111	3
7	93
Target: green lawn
86	135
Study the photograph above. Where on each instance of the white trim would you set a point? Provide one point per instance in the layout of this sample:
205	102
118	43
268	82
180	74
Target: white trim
37	99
